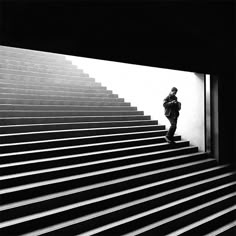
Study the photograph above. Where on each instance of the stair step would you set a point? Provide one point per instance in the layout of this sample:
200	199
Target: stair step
120	139
42	86
46	135
214	200
103	182
20	162
88	102
43	113
228	229
148	201
68	119
199	227
48	80
66	65
66	170
23	51
59	142
45	75
13	107
78	97
71	154
30	56
30	68
8	129
67	197
15	61
107	93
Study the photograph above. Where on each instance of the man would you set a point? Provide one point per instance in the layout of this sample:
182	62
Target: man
172	107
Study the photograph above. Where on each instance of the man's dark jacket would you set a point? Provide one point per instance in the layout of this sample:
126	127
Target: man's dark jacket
172	106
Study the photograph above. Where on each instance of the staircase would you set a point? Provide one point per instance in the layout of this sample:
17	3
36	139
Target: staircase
78	160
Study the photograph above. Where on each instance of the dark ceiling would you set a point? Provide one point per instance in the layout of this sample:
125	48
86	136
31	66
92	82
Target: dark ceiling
189	35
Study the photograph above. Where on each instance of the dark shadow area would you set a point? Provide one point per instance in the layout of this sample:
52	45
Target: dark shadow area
185	35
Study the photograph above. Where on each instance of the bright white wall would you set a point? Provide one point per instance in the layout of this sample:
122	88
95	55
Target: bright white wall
146	87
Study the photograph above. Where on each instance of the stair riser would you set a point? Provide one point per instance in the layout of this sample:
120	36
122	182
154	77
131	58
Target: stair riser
76	133
33	80
38	74
64	108
91	157
38	191
83	170
69	119
77	197
193	217
68	113
40	127
62	102
68	67
44	59
144	221
59	93
60	163
213	224
32	68
83	141
74	213
80	98
37	86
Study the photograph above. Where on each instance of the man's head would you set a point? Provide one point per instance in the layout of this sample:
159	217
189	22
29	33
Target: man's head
173	91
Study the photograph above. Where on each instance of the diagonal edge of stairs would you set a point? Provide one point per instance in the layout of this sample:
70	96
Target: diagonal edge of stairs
77	159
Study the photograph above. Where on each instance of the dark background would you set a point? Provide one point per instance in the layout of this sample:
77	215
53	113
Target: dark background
196	36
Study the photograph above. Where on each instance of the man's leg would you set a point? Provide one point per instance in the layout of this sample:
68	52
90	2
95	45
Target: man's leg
172	129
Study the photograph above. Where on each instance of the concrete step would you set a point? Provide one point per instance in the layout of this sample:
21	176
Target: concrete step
29	52
47	135
58	102
18	162
45	113
159	220
72	119
68	67
59	87
47	79
32	206
44	75
9	129
53	216
227	229
33	56
114	183
205	225
10	178
37	69
54	92
116	141
78	97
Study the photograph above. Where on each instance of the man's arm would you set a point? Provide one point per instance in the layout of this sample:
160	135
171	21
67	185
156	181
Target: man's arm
167	103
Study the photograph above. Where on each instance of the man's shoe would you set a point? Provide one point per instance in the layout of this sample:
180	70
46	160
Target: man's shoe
168	140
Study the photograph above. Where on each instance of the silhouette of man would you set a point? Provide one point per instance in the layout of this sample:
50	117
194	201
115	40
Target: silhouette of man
172	107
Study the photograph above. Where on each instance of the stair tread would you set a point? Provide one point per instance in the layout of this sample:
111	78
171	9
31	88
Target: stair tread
164	221
202	221
55	131
79	145
73	138
146	186
98	152
49	170
143	214
64	179
222	229
98	199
